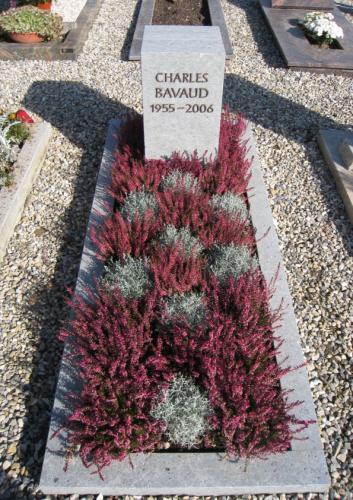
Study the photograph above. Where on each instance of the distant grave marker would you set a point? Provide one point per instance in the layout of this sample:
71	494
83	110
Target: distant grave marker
182	76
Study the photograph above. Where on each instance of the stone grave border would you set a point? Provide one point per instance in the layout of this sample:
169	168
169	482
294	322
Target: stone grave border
26	169
329	141
303	4
69	49
146	15
297	51
302	469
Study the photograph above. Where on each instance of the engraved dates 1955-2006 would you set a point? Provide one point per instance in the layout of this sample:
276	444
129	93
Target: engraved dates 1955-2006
188	108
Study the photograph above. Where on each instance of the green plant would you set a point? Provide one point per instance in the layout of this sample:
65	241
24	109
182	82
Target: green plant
138	202
184	410
129	275
230	203
231	260
171	236
6	170
29	19
186	305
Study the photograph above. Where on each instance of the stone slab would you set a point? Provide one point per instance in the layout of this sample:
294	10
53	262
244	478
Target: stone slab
68	49
298	53
26	169
346	151
303	4
182	81
329	142
302	469
146	15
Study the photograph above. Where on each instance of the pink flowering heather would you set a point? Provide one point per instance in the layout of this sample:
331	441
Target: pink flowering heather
128	351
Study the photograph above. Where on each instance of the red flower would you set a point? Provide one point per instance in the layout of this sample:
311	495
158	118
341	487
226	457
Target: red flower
24	117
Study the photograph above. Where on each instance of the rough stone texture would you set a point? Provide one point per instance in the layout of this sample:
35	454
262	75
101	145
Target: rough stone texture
346	151
301	469
189	123
330	141
26	169
315	234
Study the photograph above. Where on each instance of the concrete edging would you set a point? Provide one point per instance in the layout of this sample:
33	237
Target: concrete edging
303	469
329	141
26	169
146	15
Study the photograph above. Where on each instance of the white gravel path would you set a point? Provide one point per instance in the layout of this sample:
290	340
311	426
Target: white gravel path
79	98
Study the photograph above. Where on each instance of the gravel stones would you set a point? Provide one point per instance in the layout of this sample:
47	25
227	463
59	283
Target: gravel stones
78	99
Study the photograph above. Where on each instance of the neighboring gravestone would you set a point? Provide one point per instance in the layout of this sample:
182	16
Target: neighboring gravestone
182	76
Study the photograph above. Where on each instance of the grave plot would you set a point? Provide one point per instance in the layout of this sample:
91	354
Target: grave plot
299	51
183	375
67	46
337	148
206	12
16	179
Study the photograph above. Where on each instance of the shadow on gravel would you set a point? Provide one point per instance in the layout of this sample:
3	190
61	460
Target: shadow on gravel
261	32
124	54
81	115
299	124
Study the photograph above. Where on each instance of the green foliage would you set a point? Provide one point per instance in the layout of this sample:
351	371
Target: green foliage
230	203
17	133
231	260
29	19
138	202
6	170
172	236
186	305
184	410
129	275
178	178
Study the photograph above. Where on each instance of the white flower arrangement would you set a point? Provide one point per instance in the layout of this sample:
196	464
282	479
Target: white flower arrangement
321	27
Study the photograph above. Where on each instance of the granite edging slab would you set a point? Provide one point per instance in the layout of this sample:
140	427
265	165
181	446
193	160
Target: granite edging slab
56	50
329	141
303	469
26	169
146	15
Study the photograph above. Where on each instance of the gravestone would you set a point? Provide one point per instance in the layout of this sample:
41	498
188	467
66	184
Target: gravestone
182	76
303	4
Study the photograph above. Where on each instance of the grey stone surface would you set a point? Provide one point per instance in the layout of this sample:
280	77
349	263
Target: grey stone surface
330	141
146	15
182	79
346	151
26	169
302	469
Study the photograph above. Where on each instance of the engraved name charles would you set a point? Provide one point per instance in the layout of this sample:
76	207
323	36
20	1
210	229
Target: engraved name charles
179	92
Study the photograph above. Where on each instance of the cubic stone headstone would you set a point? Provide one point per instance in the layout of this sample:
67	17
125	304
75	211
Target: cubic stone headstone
182	76
346	151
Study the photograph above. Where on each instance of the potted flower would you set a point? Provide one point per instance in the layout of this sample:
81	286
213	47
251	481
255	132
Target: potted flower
321	29
41	4
28	24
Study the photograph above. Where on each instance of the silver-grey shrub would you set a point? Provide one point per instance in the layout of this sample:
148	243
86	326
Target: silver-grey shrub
138	202
184	409
230	203
179	178
130	275
231	260
171	236
185	305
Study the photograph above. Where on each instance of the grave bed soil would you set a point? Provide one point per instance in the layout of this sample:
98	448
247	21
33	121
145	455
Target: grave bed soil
68	47
297	51
302	467
181	12
164	12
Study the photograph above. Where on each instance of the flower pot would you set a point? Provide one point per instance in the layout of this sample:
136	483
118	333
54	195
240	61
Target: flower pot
44	5
25	37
